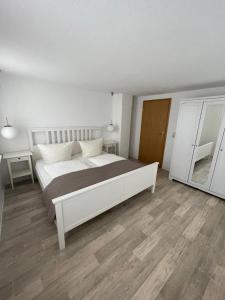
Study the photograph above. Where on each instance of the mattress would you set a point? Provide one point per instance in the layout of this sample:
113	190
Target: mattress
43	177
47	172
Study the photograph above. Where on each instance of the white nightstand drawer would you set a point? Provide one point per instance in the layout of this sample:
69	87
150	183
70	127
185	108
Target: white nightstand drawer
17	159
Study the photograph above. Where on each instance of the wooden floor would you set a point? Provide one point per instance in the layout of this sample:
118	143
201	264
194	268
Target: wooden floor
170	245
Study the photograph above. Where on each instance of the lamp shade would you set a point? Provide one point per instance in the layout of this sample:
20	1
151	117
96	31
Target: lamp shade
110	127
9	132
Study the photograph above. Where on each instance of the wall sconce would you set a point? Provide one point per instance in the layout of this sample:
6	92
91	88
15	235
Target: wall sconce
110	127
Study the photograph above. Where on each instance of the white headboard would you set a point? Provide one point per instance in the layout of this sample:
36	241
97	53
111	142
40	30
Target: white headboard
56	135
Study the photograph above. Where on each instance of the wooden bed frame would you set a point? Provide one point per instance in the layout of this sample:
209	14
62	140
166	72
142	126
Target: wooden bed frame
77	207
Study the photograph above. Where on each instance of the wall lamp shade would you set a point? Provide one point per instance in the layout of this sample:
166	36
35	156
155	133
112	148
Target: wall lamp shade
9	132
110	127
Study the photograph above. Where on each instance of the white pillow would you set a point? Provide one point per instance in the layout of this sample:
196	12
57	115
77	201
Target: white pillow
91	148
56	152
76	148
36	155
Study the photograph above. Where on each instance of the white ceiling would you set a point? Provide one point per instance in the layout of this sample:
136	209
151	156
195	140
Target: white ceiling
133	46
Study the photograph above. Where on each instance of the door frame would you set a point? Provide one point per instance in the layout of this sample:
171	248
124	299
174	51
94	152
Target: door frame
166	129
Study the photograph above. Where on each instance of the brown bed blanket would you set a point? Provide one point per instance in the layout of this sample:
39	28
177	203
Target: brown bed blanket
74	181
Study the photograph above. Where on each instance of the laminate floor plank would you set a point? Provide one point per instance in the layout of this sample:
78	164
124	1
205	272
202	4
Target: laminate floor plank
175	287
195	287
165	246
159	276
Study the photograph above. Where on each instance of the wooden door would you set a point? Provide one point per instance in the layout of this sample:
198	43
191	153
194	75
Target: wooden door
155	118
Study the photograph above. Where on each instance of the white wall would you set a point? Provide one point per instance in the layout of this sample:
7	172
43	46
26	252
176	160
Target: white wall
1	196
116	116
122	108
176	97
34	103
126	125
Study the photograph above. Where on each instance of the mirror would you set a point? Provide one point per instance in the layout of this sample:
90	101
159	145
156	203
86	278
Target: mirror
205	149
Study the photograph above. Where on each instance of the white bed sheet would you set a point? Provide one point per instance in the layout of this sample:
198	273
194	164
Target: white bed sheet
43	177
64	167
47	172
104	159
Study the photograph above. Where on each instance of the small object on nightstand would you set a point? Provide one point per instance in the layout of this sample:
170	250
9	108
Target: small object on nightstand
110	146
17	157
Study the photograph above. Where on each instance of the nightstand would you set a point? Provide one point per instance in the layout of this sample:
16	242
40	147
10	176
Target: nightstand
110	146
14	158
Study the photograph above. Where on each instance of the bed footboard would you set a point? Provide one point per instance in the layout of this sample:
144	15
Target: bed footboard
78	207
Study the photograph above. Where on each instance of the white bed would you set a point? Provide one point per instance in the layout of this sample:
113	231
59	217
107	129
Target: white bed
80	206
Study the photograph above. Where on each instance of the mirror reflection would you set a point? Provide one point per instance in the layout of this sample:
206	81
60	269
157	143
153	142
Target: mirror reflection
205	149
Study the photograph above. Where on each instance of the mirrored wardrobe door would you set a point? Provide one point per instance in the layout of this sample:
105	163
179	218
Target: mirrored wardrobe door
185	138
207	142
217	184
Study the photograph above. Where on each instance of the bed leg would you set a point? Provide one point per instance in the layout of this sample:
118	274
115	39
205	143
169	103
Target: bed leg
153	189
60	227
61	238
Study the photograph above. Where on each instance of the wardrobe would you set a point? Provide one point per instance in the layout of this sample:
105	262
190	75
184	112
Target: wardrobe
198	157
